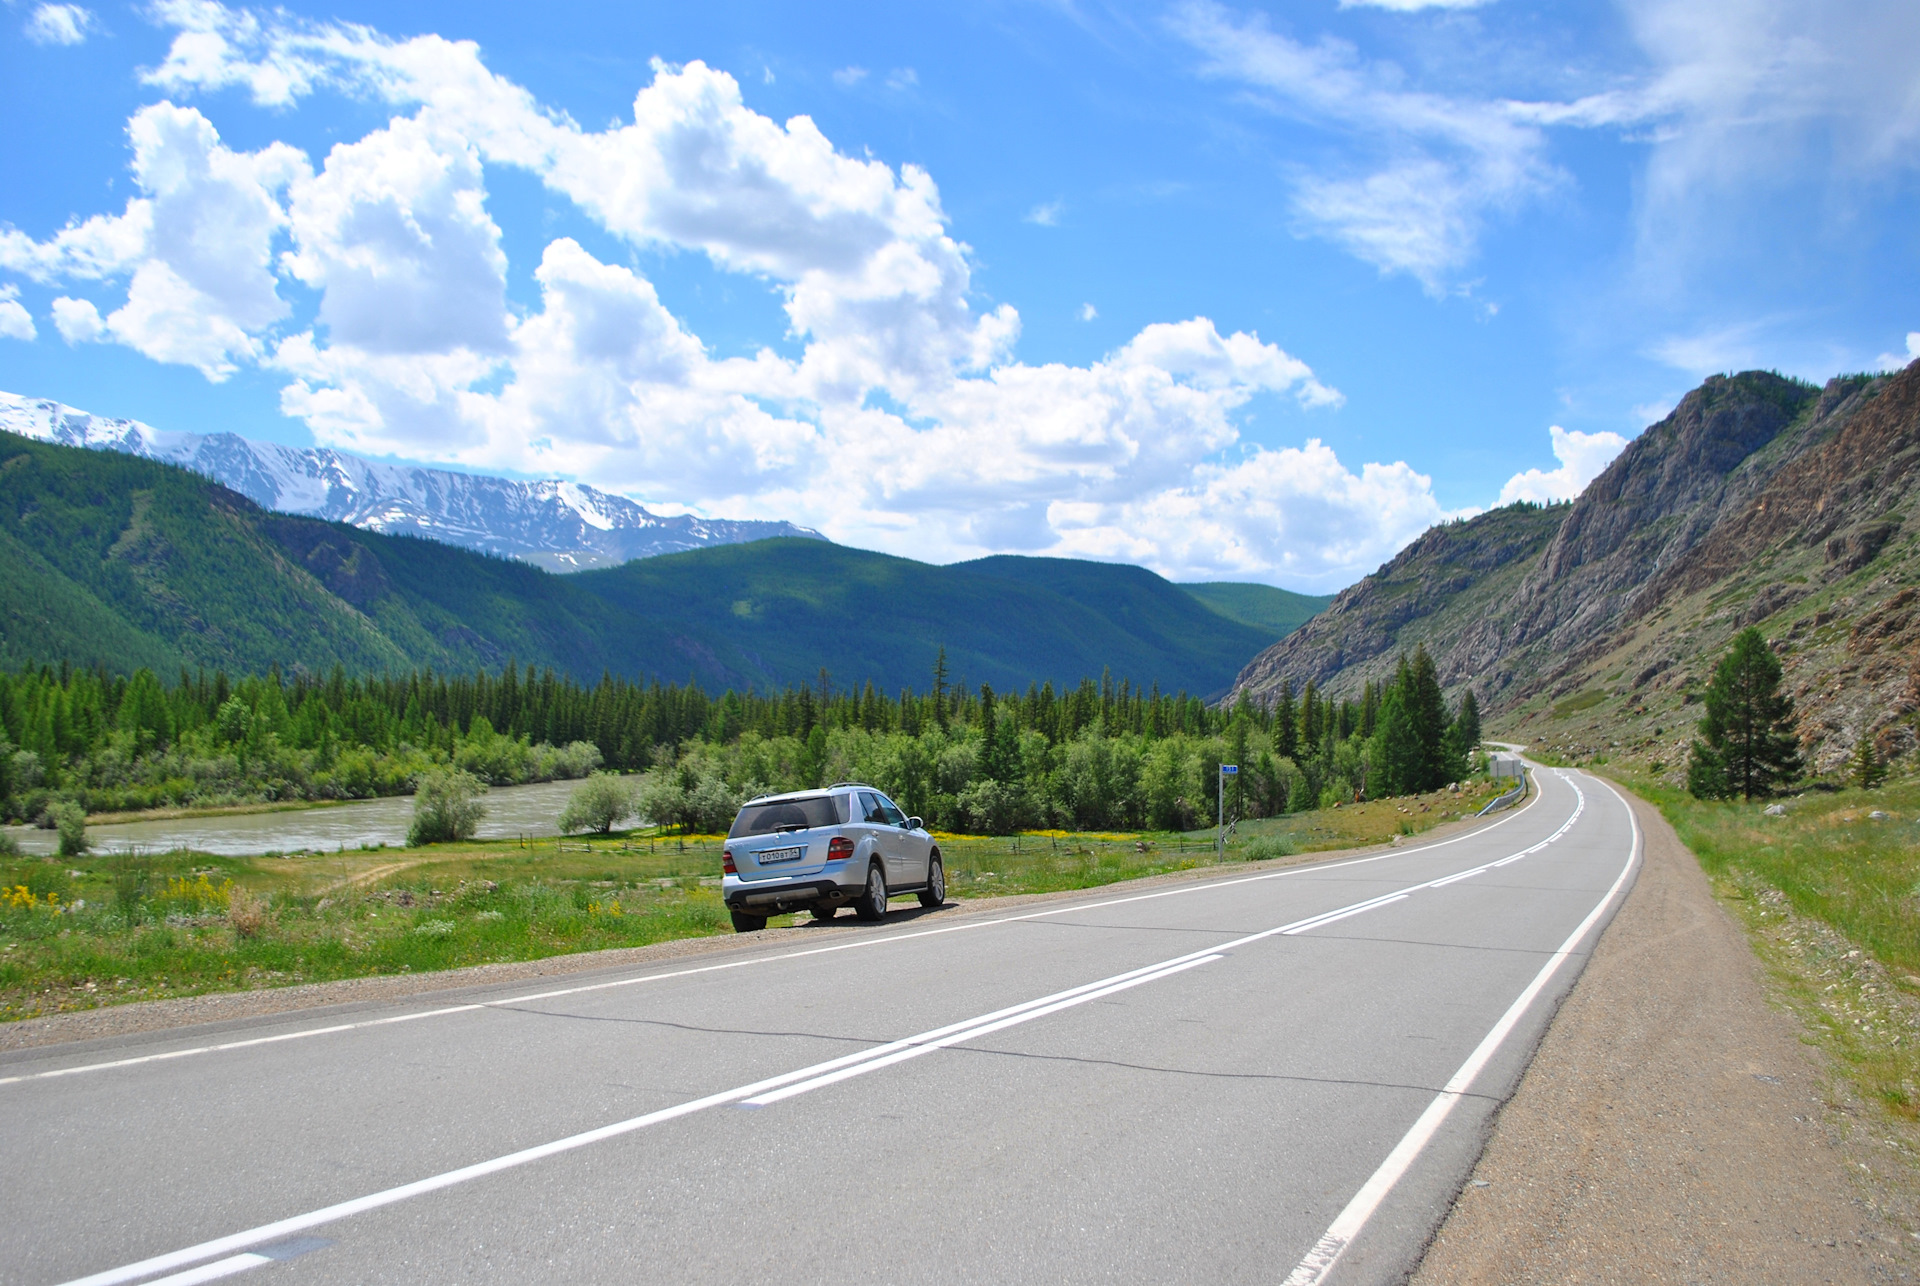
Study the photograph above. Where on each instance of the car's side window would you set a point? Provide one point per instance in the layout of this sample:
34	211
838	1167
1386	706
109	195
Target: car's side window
894	816
872	811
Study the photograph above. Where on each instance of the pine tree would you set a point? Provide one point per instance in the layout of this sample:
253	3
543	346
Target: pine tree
1394	756
1463	735
1285	732
1750	748
1864	766
940	687
1427	711
1468	717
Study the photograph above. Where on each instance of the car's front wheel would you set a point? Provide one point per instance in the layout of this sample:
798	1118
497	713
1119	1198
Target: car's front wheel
936	890
872	904
744	923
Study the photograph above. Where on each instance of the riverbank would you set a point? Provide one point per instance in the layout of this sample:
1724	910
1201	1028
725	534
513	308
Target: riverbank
223	810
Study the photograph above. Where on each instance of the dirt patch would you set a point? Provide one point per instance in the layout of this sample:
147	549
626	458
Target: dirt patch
1676	1127
371	874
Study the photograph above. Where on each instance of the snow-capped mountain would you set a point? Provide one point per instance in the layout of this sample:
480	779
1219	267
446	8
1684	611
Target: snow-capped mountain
562	526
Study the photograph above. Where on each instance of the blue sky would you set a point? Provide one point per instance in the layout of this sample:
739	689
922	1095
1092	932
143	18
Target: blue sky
1231	291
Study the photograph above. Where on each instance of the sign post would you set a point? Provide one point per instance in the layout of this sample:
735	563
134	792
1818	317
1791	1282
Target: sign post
1220	845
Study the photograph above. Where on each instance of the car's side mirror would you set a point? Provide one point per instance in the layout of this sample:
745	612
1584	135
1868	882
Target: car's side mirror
914	823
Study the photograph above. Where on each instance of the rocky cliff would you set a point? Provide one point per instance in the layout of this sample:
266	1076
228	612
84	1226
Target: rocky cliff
1759	500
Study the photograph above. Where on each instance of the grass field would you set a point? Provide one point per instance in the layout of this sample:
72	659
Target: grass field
102	930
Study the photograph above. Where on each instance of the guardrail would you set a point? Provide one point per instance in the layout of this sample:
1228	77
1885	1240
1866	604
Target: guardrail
1507	798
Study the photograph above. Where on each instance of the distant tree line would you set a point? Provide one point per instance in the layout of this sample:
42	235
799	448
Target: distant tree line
1105	754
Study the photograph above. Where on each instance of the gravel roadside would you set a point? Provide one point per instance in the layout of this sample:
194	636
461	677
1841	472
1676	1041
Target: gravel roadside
1673	1125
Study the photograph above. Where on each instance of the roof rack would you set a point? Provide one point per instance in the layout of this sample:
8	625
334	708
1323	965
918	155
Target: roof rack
838	784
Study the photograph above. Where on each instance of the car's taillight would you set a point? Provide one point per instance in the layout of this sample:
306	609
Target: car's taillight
726	862
839	849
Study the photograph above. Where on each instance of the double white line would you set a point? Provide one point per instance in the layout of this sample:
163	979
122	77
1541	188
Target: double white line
758	1094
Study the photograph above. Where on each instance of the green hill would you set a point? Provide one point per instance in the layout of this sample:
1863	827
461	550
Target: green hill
1277	611
128	562
775	611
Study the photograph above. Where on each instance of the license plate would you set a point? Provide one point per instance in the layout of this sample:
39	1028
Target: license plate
771	856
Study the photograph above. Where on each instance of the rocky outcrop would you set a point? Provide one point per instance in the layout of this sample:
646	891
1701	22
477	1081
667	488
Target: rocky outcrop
1435	591
1758	501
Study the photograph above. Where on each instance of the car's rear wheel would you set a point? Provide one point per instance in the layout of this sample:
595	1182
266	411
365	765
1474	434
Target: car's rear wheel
872	905
936	890
744	923
825	910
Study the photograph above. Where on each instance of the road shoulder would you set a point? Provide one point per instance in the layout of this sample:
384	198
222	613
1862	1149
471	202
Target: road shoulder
1672	1126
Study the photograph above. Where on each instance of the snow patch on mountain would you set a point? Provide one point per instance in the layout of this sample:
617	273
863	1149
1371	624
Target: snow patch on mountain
562	526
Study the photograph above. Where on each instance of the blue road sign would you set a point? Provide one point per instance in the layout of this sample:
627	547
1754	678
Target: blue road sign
1228	770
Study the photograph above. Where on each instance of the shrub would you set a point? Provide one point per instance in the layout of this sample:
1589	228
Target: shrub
1266	846
994	808
247	913
691	795
446	807
71	821
596	805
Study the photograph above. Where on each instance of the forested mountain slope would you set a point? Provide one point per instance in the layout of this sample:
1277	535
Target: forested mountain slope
1277	611
130	562
1759	500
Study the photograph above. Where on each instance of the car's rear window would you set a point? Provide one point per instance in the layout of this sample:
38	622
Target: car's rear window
790	815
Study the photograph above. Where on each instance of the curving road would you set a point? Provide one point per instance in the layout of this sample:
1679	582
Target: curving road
1282	1076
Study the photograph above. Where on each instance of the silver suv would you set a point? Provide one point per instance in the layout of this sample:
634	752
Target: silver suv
818	850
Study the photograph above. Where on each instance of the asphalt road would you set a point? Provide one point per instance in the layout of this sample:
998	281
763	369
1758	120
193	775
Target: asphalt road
1278	1077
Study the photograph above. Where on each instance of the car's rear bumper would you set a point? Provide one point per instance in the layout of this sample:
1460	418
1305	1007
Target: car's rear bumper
770	898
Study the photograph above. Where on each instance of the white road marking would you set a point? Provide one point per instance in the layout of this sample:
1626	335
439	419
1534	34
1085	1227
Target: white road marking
1362	907
917	1047
806	1078
1326	1252
239	1044
213	1272
444	1011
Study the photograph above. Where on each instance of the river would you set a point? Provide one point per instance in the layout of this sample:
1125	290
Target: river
511	811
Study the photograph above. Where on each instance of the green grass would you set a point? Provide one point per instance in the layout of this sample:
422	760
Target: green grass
68	941
1582	701
1831	899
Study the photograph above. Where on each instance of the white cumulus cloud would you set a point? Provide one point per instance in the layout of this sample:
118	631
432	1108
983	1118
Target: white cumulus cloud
77	320
904	420
196	244
15	321
1583	457
59	24
1898	361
